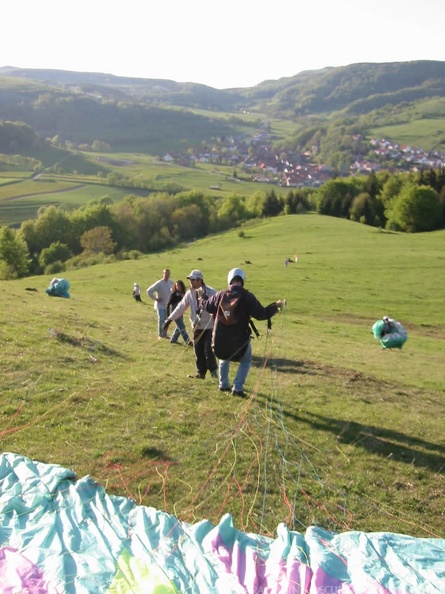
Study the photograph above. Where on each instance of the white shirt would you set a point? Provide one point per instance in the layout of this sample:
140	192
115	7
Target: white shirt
161	289
205	321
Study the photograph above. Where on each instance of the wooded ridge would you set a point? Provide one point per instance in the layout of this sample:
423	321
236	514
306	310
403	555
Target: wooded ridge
131	113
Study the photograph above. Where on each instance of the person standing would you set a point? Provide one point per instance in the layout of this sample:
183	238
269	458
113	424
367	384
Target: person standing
248	306
160	293
178	292
137	292
202	324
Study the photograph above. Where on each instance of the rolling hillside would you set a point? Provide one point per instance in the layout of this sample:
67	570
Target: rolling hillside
134	114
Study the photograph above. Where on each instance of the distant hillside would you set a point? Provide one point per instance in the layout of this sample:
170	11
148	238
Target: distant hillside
155	116
150	90
358	88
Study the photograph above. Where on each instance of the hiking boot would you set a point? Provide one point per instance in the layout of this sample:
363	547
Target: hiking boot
225	389
239	393
197	376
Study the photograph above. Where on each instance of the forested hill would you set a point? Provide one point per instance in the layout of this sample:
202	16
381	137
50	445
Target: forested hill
156	116
358	88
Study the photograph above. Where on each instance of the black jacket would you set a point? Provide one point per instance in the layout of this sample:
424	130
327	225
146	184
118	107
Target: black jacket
250	307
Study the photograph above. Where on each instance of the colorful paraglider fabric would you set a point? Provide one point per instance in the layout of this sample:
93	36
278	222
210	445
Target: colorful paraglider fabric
395	338
59	535
58	287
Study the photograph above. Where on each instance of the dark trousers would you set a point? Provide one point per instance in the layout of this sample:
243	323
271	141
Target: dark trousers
202	344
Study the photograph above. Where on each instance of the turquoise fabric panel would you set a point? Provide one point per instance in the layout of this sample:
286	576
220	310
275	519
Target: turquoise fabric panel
61	535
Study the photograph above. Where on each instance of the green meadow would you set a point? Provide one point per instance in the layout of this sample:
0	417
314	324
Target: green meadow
335	431
21	197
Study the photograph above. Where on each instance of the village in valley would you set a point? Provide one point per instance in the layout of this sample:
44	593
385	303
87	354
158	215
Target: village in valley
256	161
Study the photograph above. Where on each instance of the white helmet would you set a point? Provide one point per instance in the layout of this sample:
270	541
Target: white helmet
236	272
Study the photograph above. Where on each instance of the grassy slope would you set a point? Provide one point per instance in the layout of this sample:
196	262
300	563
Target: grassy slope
336	432
21	200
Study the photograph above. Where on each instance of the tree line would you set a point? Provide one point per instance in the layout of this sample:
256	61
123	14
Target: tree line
60	239
406	202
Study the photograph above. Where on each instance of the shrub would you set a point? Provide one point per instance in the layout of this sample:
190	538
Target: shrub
54	267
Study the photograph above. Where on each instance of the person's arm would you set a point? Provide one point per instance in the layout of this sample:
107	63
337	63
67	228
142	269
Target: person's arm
179	309
258	311
210	303
169	304
151	291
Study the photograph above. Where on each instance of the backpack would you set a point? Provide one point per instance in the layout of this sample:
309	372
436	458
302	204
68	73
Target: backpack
230	338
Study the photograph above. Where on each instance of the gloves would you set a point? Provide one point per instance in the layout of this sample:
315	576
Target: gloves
166	325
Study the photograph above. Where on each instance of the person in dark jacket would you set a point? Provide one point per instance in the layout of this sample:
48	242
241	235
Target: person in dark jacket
249	307
178	292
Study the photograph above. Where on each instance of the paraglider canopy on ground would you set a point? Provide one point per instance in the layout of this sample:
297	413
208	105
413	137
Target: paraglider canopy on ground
63	535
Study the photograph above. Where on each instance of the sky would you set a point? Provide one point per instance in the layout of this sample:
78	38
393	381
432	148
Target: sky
222	44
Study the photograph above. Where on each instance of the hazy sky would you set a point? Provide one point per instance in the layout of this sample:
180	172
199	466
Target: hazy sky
224	44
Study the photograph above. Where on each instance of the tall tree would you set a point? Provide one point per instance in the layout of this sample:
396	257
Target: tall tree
14	256
98	241
416	209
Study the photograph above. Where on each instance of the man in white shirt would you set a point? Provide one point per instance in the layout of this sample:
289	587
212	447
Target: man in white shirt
202	324
160	293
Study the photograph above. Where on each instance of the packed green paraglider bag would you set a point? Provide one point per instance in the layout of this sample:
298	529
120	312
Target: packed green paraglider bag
392	334
58	287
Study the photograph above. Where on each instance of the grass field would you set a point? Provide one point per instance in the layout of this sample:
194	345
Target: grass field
426	133
21	200
336	431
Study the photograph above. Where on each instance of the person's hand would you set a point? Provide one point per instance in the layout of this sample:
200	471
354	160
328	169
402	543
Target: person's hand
166	325
280	303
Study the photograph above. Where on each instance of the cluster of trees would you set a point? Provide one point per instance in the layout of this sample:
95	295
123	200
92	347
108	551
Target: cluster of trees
17	136
59	239
409	202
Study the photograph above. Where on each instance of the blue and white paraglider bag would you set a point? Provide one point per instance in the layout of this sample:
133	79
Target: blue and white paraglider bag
394	339
58	287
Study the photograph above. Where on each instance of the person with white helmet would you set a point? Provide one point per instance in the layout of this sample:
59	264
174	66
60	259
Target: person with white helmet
388	326
247	306
137	292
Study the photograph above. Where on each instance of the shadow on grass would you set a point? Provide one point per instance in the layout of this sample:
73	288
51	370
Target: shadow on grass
301	367
154	454
377	440
386	443
85	343
284	365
